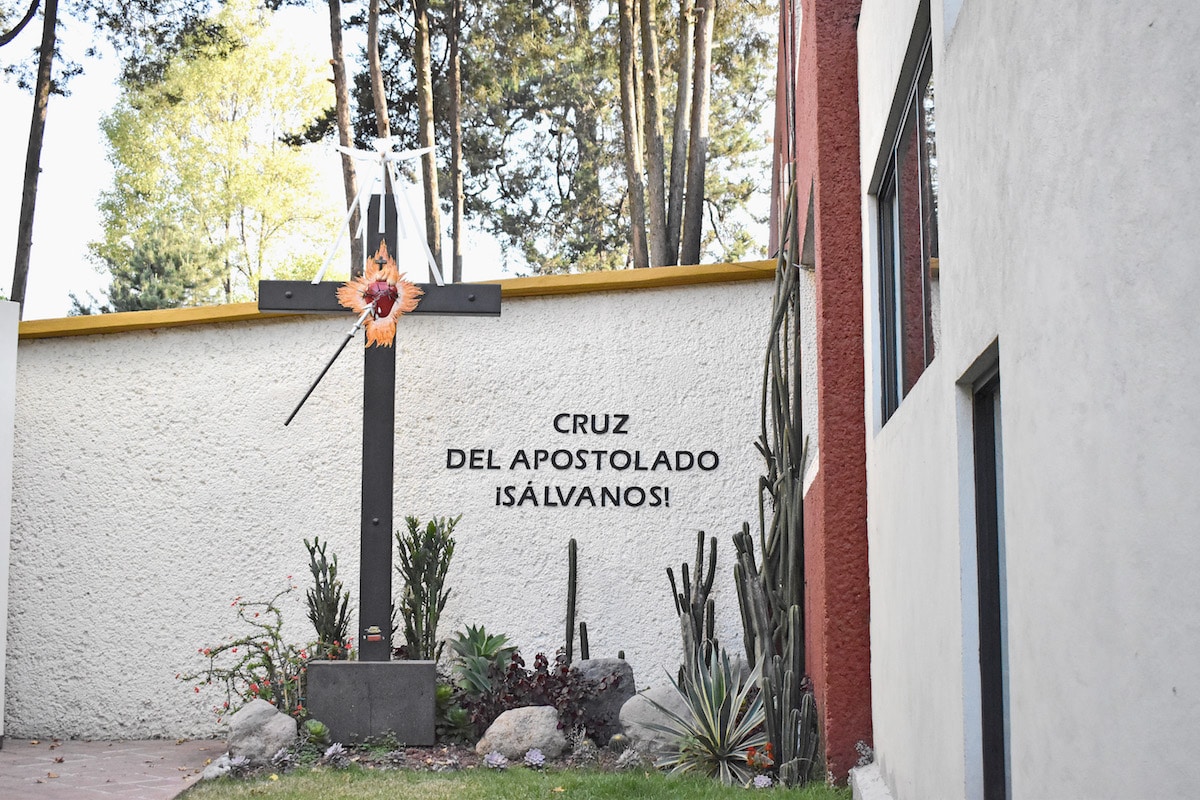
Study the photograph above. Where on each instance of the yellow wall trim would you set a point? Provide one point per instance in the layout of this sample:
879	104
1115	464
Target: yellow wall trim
538	286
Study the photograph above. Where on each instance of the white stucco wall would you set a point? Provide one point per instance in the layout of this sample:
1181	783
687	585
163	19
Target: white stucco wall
9	316
1067	165
155	482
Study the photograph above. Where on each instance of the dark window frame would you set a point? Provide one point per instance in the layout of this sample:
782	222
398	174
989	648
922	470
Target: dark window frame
905	190
989	559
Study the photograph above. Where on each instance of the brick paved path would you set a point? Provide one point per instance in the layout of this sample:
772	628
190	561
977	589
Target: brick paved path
75	770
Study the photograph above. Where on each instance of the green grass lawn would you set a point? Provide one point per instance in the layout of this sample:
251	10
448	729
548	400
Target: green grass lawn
480	784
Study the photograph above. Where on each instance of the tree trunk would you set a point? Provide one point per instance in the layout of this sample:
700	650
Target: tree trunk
693	210
654	137
456	172
679	131
383	127
585	182
633	148
342	100
429	175
33	155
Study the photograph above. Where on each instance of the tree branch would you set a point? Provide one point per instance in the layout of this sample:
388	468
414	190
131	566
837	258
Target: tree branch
20	26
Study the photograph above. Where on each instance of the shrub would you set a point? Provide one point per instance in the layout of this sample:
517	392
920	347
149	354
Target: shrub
259	664
452	722
514	686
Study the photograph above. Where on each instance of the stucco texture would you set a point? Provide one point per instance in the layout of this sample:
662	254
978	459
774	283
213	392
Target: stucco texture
1067	166
155	482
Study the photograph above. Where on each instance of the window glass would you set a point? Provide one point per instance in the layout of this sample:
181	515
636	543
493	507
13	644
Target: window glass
908	252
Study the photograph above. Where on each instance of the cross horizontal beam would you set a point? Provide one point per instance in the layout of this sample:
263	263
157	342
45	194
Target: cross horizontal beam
305	297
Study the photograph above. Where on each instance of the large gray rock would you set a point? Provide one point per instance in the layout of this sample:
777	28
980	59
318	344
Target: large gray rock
604	710
638	712
258	731
518	730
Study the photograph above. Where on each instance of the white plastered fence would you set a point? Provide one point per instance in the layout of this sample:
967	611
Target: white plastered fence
8	371
154	482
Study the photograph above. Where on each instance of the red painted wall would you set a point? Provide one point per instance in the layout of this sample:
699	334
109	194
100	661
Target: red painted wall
827	164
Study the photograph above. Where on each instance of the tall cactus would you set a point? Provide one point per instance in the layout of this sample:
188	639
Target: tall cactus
694	605
572	552
771	591
424	557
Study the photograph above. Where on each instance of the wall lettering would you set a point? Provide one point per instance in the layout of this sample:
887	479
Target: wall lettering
621	463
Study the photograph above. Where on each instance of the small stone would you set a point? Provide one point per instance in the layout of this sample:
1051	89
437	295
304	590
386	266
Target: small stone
217	769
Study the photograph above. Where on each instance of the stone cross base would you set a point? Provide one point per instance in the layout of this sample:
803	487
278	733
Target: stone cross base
359	700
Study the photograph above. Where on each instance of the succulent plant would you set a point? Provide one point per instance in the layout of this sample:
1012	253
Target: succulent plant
694	606
723	721
770	584
535	759
335	755
495	760
328	602
424	560
316	731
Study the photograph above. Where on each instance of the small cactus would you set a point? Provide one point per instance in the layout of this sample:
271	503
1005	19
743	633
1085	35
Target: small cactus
694	605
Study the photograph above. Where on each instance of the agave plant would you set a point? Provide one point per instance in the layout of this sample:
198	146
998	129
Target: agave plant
477	651
724	720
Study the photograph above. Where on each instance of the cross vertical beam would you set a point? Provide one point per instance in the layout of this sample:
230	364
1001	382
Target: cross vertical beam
379	405
378	470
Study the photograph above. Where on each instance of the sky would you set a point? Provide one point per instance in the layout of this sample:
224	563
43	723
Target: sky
75	171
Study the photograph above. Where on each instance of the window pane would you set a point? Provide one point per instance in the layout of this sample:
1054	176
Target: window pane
913	311
929	211
908	243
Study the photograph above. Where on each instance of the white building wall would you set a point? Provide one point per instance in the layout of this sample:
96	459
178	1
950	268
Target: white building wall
155	483
1067	159
9	317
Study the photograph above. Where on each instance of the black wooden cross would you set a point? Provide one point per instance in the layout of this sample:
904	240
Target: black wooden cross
379	420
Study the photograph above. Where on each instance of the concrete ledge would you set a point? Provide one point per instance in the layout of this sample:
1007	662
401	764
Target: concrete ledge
537	286
364	699
867	783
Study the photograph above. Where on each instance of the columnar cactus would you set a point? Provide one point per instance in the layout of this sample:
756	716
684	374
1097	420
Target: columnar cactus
694	605
572	552
771	591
